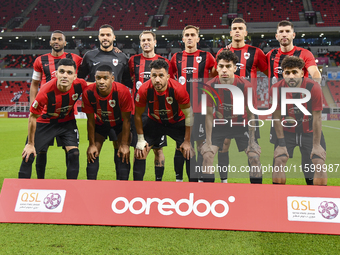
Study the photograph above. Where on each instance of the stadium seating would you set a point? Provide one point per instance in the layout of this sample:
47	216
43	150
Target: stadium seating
59	15
335	56
334	88
13	91
329	12
267	11
11	9
19	61
125	15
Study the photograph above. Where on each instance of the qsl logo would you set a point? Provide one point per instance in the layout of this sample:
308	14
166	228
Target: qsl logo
167	206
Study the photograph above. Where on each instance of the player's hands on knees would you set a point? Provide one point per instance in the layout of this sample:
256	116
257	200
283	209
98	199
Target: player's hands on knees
28	150
318	151
185	148
92	153
254	147
124	153
281	150
141	154
206	148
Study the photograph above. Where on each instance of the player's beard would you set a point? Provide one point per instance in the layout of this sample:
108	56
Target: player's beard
58	49
108	46
293	83
288	42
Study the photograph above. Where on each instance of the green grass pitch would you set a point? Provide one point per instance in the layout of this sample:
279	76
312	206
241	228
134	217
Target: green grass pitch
67	239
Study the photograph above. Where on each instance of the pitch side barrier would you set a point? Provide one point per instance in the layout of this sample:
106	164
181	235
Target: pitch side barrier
246	207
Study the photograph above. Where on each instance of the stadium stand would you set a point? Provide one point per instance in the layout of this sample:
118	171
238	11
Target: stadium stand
12	92
19	61
11	9
264	11
125	15
334	88
335	56
330	12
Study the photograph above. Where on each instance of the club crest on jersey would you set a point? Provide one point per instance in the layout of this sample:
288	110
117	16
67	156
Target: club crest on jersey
75	96
246	55
170	100
199	59
138	84
112	103
115	62
181	80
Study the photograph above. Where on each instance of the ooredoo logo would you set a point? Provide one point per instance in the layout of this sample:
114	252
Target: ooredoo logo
167	206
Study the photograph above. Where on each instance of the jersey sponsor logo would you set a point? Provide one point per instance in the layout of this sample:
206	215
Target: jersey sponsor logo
62	110
170	100
278	70
115	62
181	80
145	75
75	96
35	104
246	55
239	66
155	116
138	84
199	59
96	63
162	112
189	70
112	103
137	98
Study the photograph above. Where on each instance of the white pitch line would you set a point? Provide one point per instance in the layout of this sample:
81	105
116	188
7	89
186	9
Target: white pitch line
331	127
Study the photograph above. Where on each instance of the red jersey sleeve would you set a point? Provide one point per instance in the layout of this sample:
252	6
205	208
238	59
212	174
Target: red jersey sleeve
173	65
141	96
271	95
181	94
171	72
262	63
37	66
211	62
86	105
125	99
309	59
39	102
77	59
316	97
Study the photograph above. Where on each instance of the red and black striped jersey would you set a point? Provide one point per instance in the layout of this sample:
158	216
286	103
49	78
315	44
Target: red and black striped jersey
164	107
107	109
224	110
250	59
304	122
276	56
140	70
46	65
55	106
191	69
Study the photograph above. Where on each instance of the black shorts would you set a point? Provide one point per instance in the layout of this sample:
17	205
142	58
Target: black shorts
106	130
153	131
305	143
240	134
162	142
67	133
198	129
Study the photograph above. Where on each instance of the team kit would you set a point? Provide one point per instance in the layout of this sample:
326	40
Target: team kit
200	101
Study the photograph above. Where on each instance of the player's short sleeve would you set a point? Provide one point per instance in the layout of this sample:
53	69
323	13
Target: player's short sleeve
262	63
171	72
37	69
211	61
173	65
83	69
181	94
125	99
316	97
77	59
86	105
39	102
141	95
309	59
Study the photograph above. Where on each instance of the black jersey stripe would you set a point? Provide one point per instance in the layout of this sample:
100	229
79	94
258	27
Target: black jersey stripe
250	61
161	108
174	104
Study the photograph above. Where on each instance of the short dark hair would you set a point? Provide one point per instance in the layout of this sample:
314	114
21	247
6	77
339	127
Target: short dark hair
106	26
58	32
104	68
292	62
159	64
285	23
239	20
228	56
67	62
